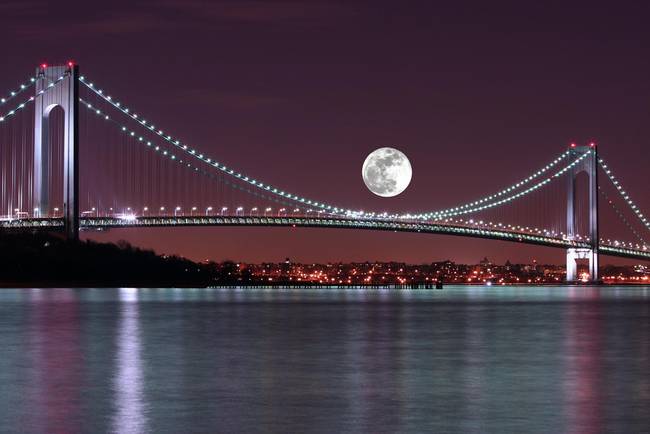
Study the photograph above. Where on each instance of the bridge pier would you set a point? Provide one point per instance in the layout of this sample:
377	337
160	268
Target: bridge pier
573	255
589	165
57	86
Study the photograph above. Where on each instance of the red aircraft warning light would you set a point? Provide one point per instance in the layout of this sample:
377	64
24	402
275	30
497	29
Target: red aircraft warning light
43	65
573	145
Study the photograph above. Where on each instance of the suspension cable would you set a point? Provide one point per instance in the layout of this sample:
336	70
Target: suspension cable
487	200
173	157
15	93
621	216
163	153
24	104
478	205
534	187
16	109
624	195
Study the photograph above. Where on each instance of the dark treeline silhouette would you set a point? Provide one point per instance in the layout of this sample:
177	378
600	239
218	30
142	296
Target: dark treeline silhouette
47	260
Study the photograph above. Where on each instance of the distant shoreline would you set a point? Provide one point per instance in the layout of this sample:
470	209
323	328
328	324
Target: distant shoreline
47	261
105	285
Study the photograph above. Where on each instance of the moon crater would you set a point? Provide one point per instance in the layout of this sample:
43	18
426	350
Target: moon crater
386	172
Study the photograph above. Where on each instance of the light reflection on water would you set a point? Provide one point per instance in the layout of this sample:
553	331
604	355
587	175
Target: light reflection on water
130	416
466	360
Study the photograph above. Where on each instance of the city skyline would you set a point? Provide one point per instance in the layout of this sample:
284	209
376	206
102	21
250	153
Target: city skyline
383	274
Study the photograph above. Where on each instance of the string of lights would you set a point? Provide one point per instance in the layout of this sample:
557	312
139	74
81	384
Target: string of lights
537	180
141	139
215	164
153	146
622	217
16	109
24	104
469	223
511	197
486	202
626	197
488	199
21	88
487	226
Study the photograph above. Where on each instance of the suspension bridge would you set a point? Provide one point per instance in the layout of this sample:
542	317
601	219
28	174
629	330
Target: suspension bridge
74	157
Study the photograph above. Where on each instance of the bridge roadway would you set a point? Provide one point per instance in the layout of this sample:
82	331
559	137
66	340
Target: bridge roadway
101	223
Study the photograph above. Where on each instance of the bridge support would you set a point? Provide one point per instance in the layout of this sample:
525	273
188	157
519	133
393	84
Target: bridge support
57	86
589	165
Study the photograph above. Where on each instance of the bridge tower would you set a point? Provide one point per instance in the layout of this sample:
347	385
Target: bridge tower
58	86
589	165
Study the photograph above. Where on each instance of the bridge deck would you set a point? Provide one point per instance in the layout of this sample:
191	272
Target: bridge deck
98	223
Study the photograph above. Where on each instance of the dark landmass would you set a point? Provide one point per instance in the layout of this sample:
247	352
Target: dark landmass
46	260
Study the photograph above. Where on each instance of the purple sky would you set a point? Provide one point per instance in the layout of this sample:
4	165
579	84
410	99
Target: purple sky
477	94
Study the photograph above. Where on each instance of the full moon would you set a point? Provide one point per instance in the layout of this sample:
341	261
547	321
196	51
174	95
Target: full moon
386	172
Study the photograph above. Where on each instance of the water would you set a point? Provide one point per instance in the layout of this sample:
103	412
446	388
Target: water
462	360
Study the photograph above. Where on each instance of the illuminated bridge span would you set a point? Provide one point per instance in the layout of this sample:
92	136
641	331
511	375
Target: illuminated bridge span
74	157
624	250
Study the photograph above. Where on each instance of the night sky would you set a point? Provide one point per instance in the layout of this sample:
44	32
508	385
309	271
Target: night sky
476	94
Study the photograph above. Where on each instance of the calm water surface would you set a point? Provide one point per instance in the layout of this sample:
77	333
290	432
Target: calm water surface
462	360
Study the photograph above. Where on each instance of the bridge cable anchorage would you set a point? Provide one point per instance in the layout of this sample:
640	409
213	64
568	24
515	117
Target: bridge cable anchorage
21	88
467	208
626	197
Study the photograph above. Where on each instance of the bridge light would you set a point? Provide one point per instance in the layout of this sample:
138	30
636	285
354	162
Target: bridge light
43	65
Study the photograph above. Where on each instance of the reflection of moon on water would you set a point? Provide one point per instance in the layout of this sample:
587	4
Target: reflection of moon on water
386	172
